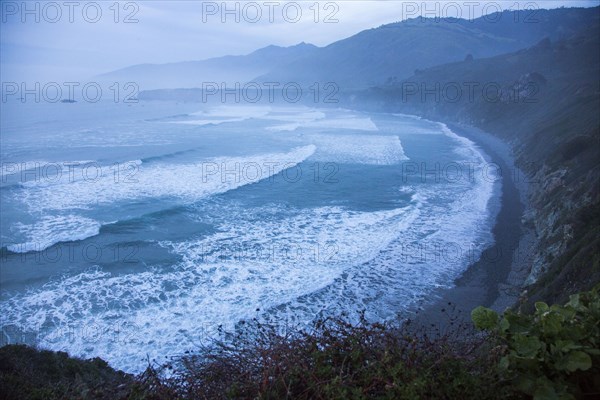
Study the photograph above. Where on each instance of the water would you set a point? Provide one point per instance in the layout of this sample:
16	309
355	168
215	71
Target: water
134	231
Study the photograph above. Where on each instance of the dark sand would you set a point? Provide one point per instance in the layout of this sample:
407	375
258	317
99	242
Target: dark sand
496	279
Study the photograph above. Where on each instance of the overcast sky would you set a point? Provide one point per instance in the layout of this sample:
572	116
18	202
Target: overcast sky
66	41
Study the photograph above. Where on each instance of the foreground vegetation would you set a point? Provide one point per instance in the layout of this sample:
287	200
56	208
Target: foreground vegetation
552	353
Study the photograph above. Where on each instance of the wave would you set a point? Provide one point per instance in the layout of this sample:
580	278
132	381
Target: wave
223	114
359	149
291	264
49	230
467	149
346	123
167	117
166	156
295	114
238	111
286	258
408	116
203	122
185	183
451	232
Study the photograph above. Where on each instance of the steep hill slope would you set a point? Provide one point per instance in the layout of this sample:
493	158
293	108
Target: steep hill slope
397	50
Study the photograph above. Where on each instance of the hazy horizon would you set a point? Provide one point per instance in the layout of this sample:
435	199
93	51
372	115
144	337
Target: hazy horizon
44	42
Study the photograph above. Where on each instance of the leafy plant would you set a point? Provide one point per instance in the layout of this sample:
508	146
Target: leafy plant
552	353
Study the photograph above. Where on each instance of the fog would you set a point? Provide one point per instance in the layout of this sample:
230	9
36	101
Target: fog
71	41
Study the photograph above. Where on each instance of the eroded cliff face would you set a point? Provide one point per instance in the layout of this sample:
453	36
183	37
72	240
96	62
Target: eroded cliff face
564	213
554	221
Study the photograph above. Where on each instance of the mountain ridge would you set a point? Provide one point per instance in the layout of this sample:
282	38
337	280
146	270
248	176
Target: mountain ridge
371	56
230	69
398	49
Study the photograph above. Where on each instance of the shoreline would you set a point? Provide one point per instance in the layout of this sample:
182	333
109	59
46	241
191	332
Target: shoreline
495	280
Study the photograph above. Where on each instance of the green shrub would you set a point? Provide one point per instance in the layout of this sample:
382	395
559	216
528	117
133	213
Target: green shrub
552	353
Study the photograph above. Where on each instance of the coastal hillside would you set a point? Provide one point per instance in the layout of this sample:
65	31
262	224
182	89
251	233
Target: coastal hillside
229	69
396	50
543	100
372	56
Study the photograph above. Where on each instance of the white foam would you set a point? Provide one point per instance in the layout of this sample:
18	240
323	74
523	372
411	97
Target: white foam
467	148
49	230
327	259
285	128
166	312
450	233
225	114
409	116
349	122
201	122
186	182
359	149
298	115
235	112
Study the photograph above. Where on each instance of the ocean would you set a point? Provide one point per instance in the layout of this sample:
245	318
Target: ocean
132	232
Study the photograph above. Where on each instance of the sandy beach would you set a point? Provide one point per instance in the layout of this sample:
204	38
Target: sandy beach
495	280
